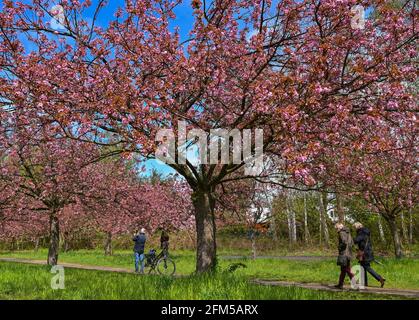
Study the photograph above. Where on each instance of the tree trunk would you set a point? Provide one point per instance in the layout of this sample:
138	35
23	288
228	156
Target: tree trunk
66	244
292	230
323	219
326	231
395	234
381	230
64	241
54	242
206	249
294	227
253	239
320	226
13	245
289	225
339	208
410	226
404	228
36	244
272	226
108	244
306	231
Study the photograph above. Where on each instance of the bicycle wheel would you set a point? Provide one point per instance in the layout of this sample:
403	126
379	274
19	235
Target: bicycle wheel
166	266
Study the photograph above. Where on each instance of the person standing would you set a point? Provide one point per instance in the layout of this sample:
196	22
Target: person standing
365	254
164	243
345	253
139	239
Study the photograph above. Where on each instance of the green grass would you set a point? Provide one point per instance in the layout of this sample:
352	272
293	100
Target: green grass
22	281
265	247
402	274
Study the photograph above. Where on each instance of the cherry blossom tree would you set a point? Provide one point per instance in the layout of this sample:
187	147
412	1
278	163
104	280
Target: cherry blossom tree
76	223
45	174
28	224
118	202
46	179
297	70
384	172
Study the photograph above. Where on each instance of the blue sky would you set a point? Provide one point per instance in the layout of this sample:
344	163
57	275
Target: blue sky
159	166
184	17
183	21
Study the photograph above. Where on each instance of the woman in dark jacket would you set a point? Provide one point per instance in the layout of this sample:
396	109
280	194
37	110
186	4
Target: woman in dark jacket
366	256
345	253
164	242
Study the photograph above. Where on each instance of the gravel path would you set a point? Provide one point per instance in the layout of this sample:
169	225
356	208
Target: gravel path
318	286
302	258
69	265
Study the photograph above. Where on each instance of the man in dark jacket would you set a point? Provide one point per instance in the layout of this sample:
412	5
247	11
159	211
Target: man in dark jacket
164	242
139	239
345	253
366	256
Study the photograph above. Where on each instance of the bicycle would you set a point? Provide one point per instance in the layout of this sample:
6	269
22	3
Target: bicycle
160	263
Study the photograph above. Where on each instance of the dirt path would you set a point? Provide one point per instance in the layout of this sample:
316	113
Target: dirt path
313	286
69	265
298	258
318	286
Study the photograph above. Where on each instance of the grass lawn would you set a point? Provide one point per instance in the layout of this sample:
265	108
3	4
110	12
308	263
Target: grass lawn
23	281
402	274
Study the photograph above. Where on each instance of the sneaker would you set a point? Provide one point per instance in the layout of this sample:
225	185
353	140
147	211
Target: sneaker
338	286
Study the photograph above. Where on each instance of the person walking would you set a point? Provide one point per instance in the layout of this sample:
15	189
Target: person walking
139	239
164	243
345	253
365	254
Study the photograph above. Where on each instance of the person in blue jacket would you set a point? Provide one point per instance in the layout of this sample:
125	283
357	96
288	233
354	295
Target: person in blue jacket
139	239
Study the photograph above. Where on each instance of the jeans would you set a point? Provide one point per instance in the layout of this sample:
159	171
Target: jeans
139	257
367	268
